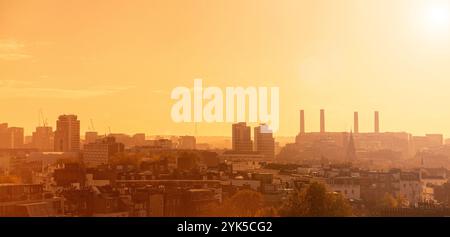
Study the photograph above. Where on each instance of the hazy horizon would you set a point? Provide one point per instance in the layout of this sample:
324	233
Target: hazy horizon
116	62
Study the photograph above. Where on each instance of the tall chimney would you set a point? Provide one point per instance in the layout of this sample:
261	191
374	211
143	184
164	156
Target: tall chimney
377	122
322	121
302	121
355	122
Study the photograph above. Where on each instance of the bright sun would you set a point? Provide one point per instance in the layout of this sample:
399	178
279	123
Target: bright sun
437	18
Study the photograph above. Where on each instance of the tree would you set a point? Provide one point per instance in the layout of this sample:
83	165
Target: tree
388	201
247	202
267	212
244	203
402	201
316	201
125	159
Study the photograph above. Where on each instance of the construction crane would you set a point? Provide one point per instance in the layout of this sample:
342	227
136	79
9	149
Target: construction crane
91	126
42	119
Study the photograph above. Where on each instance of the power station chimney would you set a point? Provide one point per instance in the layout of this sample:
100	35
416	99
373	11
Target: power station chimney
302	121
377	122
322	121
355	122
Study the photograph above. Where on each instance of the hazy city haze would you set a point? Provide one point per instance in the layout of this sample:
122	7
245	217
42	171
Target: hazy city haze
117	62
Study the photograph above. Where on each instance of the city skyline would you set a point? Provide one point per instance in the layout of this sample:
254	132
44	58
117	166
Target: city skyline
380	55
303	126
224	108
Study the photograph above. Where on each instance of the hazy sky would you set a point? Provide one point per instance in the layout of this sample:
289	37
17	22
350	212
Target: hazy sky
116	62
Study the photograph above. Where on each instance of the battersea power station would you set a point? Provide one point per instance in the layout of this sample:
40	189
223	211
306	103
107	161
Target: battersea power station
355	146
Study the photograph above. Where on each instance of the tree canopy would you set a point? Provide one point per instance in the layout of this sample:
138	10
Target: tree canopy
315	201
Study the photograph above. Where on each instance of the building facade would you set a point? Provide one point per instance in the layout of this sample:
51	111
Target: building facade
99	152
264	141
241	138
67	134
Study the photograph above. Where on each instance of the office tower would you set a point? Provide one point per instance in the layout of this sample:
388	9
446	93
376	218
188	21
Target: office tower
42	138
11	137
241	138
355	122
302	121
377	122
90	137
67	134
322	121
16	137
264	142
4	135
101	151
187	143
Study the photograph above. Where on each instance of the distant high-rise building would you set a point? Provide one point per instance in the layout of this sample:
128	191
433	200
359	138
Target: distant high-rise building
90	137
99	152
241	138
16	137
67	134
11	137
3	126
264	141
4	138
187	143
43	139
355	122
322	121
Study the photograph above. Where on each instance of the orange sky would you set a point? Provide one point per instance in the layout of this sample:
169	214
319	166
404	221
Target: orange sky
116	61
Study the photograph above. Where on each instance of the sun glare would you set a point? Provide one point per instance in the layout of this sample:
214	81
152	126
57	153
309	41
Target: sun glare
437	18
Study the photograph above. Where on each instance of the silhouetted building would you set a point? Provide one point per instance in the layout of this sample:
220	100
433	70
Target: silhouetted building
97	201
264	142
4	138
67	134
429	141
42	138
187	143
28	200
11	137
241	138
90	137
101	151
71	174
187	161
16	136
